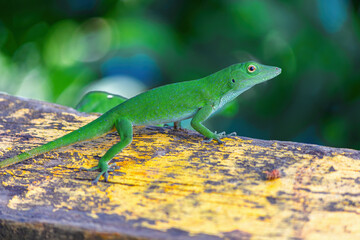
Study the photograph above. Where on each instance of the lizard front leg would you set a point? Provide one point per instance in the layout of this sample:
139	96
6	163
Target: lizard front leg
201	115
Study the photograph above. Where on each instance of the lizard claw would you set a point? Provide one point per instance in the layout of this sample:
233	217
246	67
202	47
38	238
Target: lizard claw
207	140
95	181
113	167
106	176
219	136
223	134
105	169
89	169
210	139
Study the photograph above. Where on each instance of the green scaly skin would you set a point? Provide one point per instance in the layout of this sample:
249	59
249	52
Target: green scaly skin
101	102
197	99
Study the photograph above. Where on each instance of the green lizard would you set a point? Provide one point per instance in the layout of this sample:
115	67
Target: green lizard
196	99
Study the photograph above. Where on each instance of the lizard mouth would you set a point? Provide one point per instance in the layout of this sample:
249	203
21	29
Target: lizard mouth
277	71
273	72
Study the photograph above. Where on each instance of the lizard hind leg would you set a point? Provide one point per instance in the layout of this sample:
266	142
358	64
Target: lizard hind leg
124	128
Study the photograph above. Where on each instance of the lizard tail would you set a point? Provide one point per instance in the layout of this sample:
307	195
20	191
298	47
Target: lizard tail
91	130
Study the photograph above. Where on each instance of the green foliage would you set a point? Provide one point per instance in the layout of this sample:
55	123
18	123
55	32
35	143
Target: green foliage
53	50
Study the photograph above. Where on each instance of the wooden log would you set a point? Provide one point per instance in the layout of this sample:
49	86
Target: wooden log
170	185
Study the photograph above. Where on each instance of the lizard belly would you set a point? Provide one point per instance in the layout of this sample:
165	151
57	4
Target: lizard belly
155	119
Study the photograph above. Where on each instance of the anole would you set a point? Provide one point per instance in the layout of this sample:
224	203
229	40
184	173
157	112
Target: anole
196	99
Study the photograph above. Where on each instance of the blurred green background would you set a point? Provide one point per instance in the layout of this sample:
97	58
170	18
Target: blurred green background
56	50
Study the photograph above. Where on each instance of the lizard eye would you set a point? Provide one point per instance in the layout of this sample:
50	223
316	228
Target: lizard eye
233	80
251	68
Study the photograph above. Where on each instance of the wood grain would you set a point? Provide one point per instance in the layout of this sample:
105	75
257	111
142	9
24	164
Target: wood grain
170	185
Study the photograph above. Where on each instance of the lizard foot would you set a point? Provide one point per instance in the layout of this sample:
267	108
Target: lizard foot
104	170
89	169
219	136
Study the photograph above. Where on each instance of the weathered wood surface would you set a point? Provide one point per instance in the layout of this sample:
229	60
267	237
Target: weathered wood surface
170	185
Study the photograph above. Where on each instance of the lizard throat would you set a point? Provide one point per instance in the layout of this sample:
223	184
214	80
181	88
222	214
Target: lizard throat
229	96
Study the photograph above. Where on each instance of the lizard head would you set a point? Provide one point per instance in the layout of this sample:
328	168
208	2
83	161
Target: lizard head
245	75
238	78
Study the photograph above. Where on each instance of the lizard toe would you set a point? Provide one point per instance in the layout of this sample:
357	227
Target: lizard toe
89	169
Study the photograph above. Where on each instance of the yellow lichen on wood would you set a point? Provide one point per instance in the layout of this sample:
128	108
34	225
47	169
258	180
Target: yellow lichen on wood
170	180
